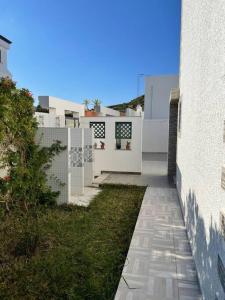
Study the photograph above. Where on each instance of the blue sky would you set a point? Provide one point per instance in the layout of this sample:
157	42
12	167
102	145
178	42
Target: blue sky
77	49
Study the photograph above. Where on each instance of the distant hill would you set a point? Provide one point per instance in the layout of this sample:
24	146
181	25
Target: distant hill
132	104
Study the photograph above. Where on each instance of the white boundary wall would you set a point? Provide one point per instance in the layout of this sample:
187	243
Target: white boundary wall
155	136
60	167
74	166
113	160
200	149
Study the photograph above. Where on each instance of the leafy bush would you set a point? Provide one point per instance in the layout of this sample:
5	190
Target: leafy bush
42	109
25	186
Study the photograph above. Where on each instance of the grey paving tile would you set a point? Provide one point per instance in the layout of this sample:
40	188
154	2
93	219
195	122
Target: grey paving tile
161	265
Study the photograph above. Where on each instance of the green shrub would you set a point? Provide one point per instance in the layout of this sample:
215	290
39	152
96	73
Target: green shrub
25	186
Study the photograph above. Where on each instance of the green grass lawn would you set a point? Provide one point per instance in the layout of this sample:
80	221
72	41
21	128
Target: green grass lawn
73	252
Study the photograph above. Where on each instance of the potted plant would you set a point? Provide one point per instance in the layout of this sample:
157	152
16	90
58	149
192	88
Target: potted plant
102	145
128	145
118	144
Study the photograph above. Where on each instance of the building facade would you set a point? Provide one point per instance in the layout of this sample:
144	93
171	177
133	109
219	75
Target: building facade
4	47
201	143
156	112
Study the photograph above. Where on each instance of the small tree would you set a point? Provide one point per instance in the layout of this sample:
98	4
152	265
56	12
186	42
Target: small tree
96	103
25	186
86	102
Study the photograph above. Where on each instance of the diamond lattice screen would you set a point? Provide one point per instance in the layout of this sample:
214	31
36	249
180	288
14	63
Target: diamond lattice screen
99	129
123	130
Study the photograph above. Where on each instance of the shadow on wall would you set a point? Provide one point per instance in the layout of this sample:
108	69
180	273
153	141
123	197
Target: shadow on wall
206	249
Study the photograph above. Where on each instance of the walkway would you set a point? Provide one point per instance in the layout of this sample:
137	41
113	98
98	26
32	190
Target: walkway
154	173
159	263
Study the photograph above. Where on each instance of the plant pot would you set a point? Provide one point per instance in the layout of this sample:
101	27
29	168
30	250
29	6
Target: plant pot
118	144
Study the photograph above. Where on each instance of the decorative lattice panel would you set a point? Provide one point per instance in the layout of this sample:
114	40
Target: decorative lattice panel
88	153
76	157
99	129
123	130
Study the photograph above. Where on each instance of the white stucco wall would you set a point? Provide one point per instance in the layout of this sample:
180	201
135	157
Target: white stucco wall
200	149
134	113
155	136
111	159
157	95
4	47
60	167
49	120
61	105
72	169
156	112
106	111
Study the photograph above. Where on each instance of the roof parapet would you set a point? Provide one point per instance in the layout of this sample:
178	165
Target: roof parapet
5	39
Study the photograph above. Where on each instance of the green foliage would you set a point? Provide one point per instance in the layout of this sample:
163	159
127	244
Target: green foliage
74	252
26	184
39	108
96	102
86	102
131	104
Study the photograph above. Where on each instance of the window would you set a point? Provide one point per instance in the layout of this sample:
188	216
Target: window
123	135
99	129
69	122
123	130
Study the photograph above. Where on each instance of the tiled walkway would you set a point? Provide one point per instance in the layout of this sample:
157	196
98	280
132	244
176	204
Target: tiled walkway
153	173
159	264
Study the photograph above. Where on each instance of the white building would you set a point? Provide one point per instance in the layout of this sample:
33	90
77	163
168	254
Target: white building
116	144
106	111
201	139
61	106
4	47
156	112
60	113
134	113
